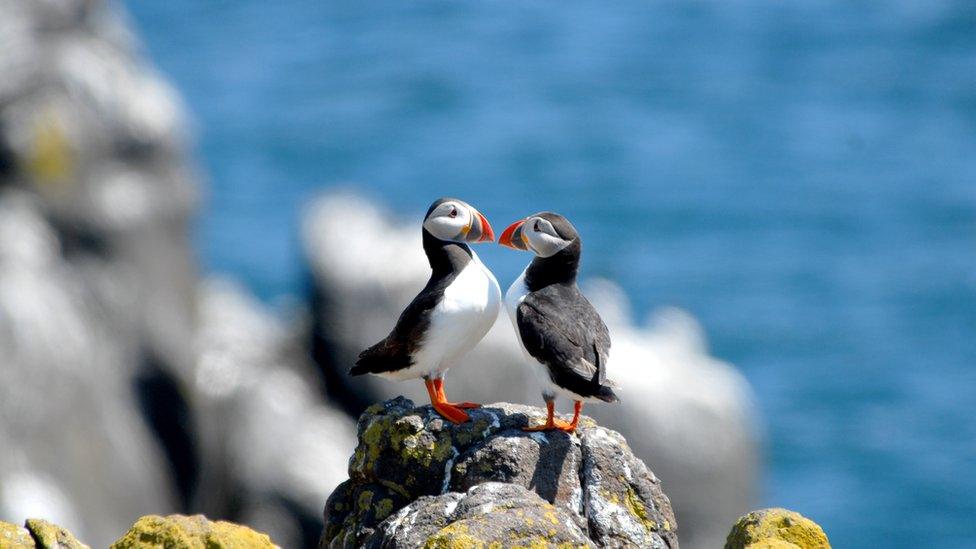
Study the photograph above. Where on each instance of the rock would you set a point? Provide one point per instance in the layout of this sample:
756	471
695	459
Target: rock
15	537
96	273
488	513
190	532
273	443
127	387
681	409
414	475
52	536
39	534
76	450
776	529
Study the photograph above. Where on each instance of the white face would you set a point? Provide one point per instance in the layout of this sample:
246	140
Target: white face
450	221
542	237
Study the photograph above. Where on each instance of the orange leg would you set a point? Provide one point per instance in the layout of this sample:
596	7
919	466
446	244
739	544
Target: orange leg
439	386
553	424
577	408
448	411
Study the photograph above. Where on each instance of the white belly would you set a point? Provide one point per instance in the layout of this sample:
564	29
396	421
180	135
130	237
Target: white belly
466	312
513	298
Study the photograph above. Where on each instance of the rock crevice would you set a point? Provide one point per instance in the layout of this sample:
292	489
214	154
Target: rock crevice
416	480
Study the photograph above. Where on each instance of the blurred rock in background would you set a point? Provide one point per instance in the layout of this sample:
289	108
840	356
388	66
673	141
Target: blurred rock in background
96	277
279	450
117	400
686	414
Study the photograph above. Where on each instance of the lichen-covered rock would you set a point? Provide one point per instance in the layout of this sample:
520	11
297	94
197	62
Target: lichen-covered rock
416	479
190	532
776	529
37	534
15	537
487	513
51	536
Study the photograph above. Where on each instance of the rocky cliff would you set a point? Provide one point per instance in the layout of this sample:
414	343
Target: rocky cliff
416	480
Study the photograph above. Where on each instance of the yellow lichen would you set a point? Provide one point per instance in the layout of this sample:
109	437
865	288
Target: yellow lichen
50	159
454	536
193	532
776	529
364	500
15	537
636	508
373	438
51	535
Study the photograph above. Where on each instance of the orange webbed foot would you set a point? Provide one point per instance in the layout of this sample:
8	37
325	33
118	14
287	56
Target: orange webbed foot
451	413
555	425
466	405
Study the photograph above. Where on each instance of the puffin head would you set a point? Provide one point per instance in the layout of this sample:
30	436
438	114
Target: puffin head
454	220
545	234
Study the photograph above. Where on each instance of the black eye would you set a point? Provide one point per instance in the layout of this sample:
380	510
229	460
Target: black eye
535	227
453	212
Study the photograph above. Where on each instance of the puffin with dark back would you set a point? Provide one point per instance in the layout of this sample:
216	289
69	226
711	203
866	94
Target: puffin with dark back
560	332
449	316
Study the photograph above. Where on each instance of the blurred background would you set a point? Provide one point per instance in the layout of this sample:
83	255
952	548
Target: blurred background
206	209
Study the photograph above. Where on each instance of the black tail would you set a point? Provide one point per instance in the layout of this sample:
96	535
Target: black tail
359	369
606	394
373	362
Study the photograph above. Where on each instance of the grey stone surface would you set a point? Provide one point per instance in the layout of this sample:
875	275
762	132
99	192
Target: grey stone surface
414	475
488	513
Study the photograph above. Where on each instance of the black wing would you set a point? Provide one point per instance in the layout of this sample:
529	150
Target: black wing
562	330
395	352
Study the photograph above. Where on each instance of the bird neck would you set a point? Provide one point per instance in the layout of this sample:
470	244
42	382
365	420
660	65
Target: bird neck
559	268
445	256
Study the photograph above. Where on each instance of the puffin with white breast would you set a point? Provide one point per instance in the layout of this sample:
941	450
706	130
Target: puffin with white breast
449	316
562	335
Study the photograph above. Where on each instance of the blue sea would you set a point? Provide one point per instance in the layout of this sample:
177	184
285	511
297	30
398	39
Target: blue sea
801	176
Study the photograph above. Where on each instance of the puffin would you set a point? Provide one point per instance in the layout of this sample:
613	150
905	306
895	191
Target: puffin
561	334
449	316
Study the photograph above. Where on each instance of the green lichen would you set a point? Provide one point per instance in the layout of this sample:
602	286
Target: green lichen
406	439
396	487
472	431
52	536
384	508
374	409
365	500
776	529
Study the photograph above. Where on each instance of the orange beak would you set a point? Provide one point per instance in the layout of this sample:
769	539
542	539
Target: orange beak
479	230
487	235
512	236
